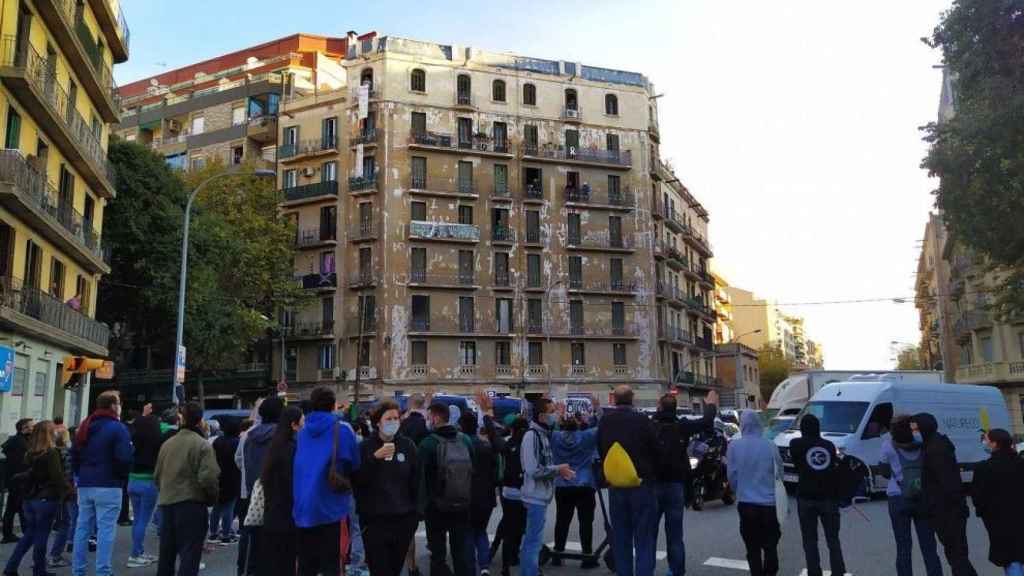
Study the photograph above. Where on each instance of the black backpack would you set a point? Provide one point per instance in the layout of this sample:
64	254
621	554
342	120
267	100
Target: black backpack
512	476
454	475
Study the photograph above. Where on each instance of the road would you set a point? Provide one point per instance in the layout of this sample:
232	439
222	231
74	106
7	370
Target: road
713	546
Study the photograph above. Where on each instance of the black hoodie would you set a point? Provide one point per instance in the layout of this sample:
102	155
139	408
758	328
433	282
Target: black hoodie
816	462
940	479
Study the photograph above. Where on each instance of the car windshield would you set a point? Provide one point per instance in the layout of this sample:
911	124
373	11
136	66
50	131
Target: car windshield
778	426
837	417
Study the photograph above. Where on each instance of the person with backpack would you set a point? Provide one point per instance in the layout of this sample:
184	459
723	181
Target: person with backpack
513	513
817	492
673	472
944	497
223	515
326	457
754	466
249	459
997	496
539	472
578	448
486	479
447	461
627	443
902	464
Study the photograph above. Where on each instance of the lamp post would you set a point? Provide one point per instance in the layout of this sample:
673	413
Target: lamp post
180	333
736	341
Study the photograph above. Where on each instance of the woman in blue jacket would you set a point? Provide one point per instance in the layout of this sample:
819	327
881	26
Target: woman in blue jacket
576	444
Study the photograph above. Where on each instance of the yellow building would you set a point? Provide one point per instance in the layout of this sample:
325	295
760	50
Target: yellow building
57	100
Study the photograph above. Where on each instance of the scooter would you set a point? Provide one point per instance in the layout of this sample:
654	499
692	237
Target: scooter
709	480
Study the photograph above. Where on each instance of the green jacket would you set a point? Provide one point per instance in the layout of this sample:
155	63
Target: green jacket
426	457
187	470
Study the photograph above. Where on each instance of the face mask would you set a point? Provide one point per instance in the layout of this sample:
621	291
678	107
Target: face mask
389	428
986	447
918	438
551	419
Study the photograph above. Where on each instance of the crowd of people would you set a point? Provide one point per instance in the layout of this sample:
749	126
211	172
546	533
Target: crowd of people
297	482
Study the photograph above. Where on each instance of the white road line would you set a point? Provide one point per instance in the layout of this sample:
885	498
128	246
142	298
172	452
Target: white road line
823	573
727	563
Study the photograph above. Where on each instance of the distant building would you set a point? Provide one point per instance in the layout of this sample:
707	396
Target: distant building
815	355
738	373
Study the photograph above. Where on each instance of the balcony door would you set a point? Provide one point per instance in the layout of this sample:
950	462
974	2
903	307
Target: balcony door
328	222
420	312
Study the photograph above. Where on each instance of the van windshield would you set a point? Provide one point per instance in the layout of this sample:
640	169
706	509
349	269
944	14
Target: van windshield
838	417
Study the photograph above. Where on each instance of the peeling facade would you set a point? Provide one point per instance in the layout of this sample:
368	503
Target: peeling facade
494	220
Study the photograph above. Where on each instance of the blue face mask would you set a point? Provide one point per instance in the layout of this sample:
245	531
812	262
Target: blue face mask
918	438
390	428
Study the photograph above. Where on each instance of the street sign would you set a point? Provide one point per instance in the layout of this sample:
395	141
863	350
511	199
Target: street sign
6	368
179	366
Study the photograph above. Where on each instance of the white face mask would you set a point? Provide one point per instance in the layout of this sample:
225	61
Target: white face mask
389	428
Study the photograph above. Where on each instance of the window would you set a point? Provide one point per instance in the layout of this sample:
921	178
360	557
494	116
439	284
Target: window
575	272
465	177
418	80
579	357
419	123
57	278
535	353
465	132
500	137
615	273
503	315
498	90
501	180
467	353
20	379
369	167
614	189
329	171
327	314
366	76
530	138
327	356
615	231
83	293
574	228
418	265
467	314
534	316
365	264
1020	343
465	214
501	276
503	353
529	95
532	227
618	318
611	104
419	211
420	312
291	178
466	268
878	423
364	354
12	139
576	316
198	124
327	262
40	387
986	348
464	90
619	354
419	352
291	137
571	103
238	115
419	172
328	133
237	154
198	163
611	142
533	270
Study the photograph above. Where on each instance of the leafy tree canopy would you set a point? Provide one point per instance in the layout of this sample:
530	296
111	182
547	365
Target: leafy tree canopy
909	358
773	367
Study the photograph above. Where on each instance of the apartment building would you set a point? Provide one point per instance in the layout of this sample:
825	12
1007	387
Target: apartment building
724	327
740	376
225	108
815	355
758	322
57	96
480	219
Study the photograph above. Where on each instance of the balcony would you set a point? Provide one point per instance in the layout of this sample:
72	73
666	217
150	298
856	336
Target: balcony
591	330
699	242
83	54
500	193
307	148
704	344
262	129
687	378
309	330
478	144
113	26
503	280
673	221
318	237
27	194
503	235
533	194
613	159
464	100
599	242
699	307
459	326
363	231
27	76
460	280
535	237
674	334
362	184
993	373
460	188
369	326
323	281
307	192
676	259
613	200
670	292
572	114
973	320
614	287
443	232
38	314
363	279
367	137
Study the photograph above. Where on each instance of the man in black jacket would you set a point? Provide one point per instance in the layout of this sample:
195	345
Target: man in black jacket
14	450
414	427
943	493
817	465
674	470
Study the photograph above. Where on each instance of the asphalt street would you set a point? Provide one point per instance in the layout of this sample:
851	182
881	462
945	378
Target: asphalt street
713	546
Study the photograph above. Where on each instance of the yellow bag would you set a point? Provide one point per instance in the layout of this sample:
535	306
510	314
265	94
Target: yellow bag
619	470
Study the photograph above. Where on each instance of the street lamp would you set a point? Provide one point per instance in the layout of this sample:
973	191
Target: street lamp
179	337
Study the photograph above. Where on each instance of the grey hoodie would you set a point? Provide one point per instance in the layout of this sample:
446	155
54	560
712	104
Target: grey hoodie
753	463
538	474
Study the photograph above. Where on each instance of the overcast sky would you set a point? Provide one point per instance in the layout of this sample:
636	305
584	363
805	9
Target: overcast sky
794	122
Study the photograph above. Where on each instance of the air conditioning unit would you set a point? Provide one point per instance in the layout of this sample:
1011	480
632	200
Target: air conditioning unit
572	113
309	172
174	125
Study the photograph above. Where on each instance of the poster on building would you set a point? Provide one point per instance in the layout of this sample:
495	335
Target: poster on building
6	368
364	101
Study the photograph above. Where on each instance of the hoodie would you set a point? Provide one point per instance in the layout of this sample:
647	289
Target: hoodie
104	459
940	478
579	450
315	503
539	468
816	462
255	447
753	463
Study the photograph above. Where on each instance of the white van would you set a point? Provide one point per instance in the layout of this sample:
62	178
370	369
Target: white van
855	415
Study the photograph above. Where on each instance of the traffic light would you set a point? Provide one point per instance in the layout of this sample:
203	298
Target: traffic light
77	366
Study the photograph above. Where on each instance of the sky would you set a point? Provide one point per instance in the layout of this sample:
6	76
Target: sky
795	122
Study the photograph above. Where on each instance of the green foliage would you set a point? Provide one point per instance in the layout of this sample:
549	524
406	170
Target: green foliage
773	367
909	358
978	153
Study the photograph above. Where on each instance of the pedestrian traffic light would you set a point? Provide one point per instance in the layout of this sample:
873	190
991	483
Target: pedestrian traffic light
77	366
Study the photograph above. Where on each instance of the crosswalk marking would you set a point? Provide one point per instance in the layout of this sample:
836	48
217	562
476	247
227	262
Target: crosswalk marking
727	563
823	573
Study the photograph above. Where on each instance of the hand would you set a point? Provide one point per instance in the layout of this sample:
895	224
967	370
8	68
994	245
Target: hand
384	452
147	409
485	402
560	407
566	472
712	398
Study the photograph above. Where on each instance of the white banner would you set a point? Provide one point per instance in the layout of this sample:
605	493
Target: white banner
359	161
364	101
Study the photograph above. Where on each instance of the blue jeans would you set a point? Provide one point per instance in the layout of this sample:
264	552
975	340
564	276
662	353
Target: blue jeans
1015	569
63	528
223	518
39	515
533	539
634	519
356	551
483	549
902	514
143	495
100	506
671	503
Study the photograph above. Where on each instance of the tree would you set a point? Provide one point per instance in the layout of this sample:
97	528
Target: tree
773	367
909	358
978	153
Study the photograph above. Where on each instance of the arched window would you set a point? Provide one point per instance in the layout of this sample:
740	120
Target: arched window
464	89
498	91
418	80
611	104
570	99
529	95
366	77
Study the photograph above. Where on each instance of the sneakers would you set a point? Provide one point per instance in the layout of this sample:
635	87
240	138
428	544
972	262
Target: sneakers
485	572
138	562
58	562
152	559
